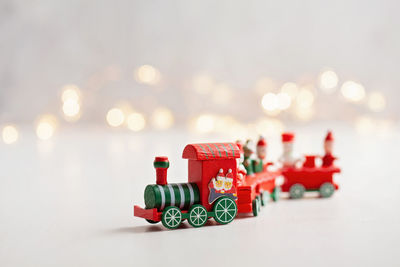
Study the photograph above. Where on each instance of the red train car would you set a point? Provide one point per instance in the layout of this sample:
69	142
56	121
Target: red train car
309	177
212	191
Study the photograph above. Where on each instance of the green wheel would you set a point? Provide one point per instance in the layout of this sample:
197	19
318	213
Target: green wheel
276	194
171	217
296	191
197	215
151	221
264	198
326	189
256	206
225	210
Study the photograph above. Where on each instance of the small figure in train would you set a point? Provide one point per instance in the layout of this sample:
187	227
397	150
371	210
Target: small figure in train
328	158
241	170
287	159
258	164
248	159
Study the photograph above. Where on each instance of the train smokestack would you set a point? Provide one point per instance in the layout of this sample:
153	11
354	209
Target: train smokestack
161	165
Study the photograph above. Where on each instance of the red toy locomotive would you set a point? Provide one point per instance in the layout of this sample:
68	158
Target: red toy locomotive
215	188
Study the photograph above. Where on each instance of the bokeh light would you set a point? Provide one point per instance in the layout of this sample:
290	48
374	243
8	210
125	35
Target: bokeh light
264	85
353	91
71	109
376	101
147	74
46	127
304	99
71	92
205	123
328	81
283	100
290	88
269	102
304	113
135	122
10	134
162	118
115	117
364	125
268	127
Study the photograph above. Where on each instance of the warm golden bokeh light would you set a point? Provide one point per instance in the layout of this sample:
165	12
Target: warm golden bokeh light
147	74
290	88
162	118
304	99
205	123
353	91
304	113
264	85
135	122
268	127
10	134
46	127
364	125
283	100
376	101
71	108
328	81
269	102
115	117
71	92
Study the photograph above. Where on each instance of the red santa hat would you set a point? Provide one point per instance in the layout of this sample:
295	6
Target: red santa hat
287	137
229	175
220	173
261	142
329	136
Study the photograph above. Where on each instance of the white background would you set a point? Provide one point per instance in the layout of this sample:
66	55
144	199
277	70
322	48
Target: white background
69	202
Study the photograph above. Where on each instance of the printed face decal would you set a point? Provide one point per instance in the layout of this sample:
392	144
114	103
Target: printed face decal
222	185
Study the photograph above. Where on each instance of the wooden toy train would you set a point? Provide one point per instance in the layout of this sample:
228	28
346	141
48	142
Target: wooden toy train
224	180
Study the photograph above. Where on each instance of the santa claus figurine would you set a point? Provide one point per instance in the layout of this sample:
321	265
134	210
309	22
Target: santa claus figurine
328	158
241	170
248	159
261	155
287	159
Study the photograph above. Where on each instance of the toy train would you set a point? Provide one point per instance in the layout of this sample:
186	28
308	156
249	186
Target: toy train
219	187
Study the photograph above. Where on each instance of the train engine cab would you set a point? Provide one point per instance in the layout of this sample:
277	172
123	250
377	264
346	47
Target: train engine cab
211	191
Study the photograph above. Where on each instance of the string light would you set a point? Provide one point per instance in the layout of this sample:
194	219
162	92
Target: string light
135	122
115	117
269	102
46	127
162	118
10	134
328	81
147	74
376	101
71	97
353	91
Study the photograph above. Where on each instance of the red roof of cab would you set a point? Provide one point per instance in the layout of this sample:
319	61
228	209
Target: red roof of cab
210	151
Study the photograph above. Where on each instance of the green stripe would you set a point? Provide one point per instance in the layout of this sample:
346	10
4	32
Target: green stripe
233	150
167	196
196	193
186	191
161	164
226	150
211	150
177	194
216	147
205	152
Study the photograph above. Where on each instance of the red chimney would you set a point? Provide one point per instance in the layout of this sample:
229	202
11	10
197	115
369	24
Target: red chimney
161	164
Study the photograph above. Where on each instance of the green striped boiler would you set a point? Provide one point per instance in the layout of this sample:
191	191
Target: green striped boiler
182	195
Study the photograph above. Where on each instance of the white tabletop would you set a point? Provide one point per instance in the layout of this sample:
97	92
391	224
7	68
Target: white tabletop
69	202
